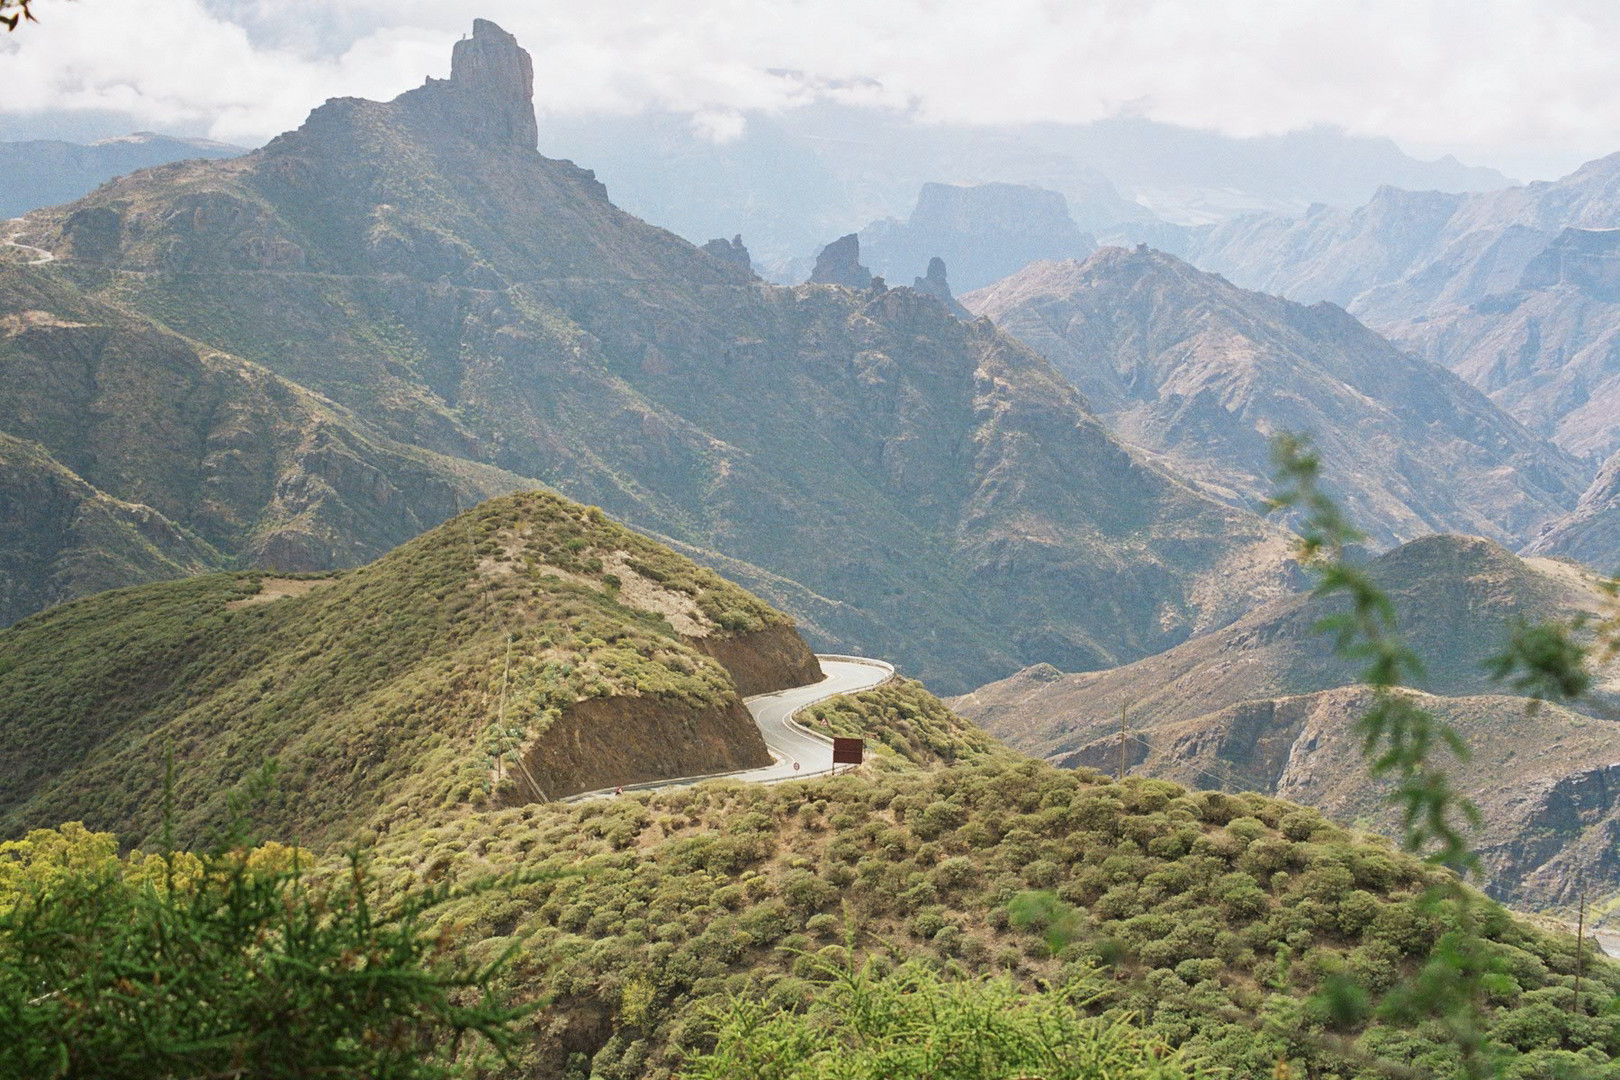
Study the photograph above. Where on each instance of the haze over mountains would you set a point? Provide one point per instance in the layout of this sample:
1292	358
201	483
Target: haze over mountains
1511	289
930	489
790	181
45	172
1187	365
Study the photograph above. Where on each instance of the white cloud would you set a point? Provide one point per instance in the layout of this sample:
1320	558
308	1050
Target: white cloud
1486	78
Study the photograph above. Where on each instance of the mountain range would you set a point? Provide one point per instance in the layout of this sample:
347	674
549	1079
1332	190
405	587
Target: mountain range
447	298
47	172
375	488
791	179
1512	289
1267	704
1193	368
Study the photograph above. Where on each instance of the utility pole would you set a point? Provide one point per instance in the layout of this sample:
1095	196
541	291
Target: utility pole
1121	742
1580	951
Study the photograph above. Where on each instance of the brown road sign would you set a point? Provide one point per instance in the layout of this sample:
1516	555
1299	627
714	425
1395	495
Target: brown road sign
849	751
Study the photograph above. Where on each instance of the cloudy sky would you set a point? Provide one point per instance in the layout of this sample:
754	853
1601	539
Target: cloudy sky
1530	86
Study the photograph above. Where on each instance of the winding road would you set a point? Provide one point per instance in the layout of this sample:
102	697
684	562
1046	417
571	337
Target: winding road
41	255
789	743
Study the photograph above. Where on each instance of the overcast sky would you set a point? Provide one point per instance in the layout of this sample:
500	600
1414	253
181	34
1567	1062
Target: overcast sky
1530	86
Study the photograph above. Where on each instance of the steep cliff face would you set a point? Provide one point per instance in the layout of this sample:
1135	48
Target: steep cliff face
615	741
490	90
983	233
762	661
931	490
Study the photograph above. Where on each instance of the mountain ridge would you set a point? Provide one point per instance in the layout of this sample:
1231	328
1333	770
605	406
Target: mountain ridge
1188	366
483	302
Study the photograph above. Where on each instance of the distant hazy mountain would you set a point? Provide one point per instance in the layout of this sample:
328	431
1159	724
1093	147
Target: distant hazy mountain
1186	364
1517	290
790	180
416	276
46	172
1266	705
983	233
1590	532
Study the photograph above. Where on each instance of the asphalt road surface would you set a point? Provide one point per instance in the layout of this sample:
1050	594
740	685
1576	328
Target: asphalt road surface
789	743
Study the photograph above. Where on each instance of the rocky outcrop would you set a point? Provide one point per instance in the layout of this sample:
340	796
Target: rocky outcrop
935	284
763	661
490	92
603	742
984	232
731	252
839	263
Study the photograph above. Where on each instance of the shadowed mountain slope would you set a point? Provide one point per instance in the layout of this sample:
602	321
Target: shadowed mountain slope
225	459
1266	704
1185	364
418	263
61	538
1590	532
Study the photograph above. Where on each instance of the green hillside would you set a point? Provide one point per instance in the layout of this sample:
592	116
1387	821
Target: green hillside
1212	920
381	690
1220	925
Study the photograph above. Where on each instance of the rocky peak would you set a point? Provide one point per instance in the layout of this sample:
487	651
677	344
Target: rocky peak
731	251
840	264
934	284
490	92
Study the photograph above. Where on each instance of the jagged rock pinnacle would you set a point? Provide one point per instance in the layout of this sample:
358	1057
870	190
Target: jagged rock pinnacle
935	284
490	93
840	264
